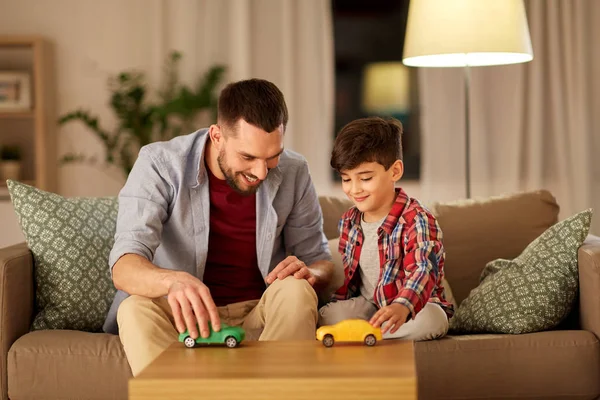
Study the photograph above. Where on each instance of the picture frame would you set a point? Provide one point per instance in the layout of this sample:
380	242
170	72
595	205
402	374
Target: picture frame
15	91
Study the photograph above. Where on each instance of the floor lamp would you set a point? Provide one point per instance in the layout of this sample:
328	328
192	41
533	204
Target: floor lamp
466	33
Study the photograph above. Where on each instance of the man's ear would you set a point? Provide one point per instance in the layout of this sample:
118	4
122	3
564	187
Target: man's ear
397	169
216	136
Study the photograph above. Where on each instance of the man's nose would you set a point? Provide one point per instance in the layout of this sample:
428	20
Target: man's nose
260	170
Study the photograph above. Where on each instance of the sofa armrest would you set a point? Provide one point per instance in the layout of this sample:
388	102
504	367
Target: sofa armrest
589	285
16	301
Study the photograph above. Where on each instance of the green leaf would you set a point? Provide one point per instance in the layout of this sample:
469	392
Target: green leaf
143	118
72	158
88	120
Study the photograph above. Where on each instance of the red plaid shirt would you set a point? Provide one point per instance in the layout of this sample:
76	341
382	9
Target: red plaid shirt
411	256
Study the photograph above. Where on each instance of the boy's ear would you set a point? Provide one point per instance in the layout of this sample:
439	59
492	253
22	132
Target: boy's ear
397	170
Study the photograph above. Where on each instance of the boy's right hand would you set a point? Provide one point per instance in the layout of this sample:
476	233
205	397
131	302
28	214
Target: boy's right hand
193	306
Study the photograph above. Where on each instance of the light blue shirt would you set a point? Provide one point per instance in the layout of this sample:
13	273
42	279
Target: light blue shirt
164	212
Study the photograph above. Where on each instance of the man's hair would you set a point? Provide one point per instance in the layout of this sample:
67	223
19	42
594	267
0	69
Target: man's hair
370	139
257	101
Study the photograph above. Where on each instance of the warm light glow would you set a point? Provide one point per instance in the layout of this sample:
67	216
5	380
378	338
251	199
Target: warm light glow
470	59
386	88
458	33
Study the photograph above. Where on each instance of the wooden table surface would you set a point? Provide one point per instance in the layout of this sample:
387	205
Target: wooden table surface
281	370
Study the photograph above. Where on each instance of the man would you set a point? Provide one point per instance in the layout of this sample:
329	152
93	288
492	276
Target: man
220	225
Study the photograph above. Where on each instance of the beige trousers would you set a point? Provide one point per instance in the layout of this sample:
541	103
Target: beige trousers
430	323
286	311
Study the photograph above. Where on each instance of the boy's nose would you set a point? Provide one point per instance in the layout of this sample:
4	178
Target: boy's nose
356	188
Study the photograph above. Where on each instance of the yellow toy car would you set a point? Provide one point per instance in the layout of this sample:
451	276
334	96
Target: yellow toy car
350	330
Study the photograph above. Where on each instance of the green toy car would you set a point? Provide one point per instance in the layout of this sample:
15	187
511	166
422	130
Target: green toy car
231	336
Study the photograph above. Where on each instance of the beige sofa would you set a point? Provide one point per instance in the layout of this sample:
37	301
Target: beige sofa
559	364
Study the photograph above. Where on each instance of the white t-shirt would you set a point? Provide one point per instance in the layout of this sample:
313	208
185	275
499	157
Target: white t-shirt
368	264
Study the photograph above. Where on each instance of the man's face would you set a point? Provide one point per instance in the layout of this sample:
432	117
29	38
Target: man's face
246	155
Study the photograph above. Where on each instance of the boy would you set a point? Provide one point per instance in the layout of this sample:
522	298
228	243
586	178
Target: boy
391	245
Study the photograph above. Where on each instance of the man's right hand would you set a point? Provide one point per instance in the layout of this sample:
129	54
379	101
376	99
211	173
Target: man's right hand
193	307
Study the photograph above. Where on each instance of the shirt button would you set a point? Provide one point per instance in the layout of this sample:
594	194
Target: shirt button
269	236
358	243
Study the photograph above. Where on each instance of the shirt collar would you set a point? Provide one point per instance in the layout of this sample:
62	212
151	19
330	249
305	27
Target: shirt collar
393	218
196	174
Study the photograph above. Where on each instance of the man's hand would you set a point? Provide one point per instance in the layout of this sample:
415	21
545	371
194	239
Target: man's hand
291	266
193	306
394	314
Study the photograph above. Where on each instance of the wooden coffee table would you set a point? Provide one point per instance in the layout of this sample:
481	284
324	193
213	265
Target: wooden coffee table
281	370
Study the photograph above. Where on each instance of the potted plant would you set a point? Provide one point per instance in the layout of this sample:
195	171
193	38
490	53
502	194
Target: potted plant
144	117
10	162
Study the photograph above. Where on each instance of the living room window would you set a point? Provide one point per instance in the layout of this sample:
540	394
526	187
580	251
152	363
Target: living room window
370	77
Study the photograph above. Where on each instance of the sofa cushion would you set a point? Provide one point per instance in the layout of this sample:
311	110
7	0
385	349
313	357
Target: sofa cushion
70	239
57	364
479	231
545	365
337	279
333	208
535	291
448	294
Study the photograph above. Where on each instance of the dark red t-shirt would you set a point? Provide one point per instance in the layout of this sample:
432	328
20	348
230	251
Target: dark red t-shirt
232	273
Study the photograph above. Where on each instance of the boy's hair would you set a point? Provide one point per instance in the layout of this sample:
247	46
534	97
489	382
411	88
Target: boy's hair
257	101
372	139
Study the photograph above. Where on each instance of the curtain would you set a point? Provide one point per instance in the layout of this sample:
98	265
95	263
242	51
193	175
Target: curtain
289	42
533	125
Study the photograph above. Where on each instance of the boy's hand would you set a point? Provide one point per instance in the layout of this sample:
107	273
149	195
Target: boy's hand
394	314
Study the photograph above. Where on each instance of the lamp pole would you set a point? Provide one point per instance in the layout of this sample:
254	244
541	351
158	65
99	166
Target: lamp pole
466	33
467	71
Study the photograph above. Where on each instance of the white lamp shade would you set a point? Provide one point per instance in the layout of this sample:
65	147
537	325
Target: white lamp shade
458	33
386	88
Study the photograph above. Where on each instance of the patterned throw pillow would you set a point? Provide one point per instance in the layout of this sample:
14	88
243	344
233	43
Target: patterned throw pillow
70	239
531	293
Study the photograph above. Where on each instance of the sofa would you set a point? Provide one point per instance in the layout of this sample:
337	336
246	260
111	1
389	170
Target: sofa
563	363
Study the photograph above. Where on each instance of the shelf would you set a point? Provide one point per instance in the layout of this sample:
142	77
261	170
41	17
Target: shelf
20	41
17	114
33	128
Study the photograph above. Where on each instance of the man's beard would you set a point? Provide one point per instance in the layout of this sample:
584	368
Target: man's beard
233	178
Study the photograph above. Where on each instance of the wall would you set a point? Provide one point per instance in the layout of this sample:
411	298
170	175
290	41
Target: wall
93	40
105	37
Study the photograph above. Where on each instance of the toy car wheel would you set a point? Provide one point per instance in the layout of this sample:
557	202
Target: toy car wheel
231	342
328	341
189	342
370	340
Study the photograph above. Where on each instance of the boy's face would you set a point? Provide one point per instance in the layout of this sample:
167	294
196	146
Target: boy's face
371	188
